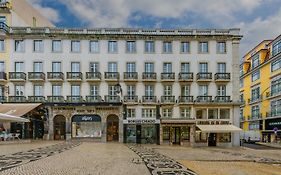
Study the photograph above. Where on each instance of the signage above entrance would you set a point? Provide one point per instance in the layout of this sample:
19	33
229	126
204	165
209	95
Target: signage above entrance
141	121
86	118
270	124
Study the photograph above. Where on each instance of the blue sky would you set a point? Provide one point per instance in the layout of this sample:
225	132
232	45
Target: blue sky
257	19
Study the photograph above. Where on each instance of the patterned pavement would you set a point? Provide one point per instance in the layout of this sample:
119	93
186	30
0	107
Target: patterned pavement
20	158
159	164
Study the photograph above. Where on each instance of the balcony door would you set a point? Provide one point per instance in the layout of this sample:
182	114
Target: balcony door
75	67
149	67
56	67
38	67
2	66
19	67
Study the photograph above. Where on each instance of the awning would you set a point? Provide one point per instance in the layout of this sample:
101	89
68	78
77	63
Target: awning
16	109
10	118
219	128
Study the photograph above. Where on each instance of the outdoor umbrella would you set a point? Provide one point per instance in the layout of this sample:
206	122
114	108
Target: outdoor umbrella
11	118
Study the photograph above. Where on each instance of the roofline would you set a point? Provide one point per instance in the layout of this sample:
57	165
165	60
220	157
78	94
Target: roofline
257	46
275	39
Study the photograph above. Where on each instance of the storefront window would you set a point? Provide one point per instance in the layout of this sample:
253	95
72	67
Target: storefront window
213	113
166	133
185	133
201	114
224	114
86	126
148	134
224	137
200	136
131	134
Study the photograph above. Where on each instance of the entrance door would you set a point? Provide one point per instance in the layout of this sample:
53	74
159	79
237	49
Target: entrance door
112	128
138	134
177	135
59	127
212	139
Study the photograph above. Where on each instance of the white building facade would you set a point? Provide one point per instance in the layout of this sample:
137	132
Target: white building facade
128	85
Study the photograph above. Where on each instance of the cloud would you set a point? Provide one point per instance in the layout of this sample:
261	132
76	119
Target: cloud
49	13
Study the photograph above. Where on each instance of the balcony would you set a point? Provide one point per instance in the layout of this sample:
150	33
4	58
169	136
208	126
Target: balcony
168	76
185	77
36	76
93	76
55	76
222	77
74	76
168	99
273	114
130	76
17	99
55	99
131	99
149	76
111	76
149	99
3	99
185	99
204	76
112	99
74	99
255	117
17	76
3	77
222	99
93	99
205	99
4	26
36	99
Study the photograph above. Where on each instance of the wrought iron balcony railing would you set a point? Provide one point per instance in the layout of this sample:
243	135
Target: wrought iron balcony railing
74	98
17	99
149	76
149	99
222	76
222	99
204	99
55	99
185	99
168	76
36	99
131	99
185	76
112	98
36	76
3	76
93	75
130	75
74	75
167	99
55	75
111	75
17	76
93	98
204	76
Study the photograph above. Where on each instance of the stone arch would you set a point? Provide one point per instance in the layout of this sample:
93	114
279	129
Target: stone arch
59	127
112	128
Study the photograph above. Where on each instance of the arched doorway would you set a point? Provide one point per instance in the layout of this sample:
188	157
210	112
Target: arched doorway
112	128
59	127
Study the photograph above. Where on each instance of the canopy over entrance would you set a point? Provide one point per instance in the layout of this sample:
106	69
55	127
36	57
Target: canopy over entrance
17	110
219	128
11	118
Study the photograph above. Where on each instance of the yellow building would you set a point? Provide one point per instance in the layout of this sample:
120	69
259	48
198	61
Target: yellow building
260	92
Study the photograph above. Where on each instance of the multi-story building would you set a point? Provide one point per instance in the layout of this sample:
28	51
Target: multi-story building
128	85
260	90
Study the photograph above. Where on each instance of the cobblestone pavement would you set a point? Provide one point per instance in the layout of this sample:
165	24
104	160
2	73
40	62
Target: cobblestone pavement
158	163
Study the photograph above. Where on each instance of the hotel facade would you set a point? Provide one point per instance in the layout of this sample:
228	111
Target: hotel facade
128	85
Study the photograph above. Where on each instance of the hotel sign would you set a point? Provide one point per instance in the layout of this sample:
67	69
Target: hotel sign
141	121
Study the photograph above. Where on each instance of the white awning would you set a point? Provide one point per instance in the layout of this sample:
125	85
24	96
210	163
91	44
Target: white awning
11	118
16	109
219	128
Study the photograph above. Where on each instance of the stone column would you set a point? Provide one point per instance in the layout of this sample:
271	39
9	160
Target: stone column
103	129
68	127
121	130
192	135
50	135
160	134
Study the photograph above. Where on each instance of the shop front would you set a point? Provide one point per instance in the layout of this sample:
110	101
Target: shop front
86	126
272	131
142	131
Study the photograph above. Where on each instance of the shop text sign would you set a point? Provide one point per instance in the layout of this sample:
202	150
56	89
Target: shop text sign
272	124
86	118
142	121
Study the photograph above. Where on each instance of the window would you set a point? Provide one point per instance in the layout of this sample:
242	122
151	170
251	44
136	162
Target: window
221	47
276	65
254	125
19	90
3	19
131	47
112	90
255	75
112	67
185	112
167	67
56	46
185	90
19	67
212	113
38	90
276	108
75	46
94	67
255	111
185	67
149	90
131	90
2	67
203	67
37	67
149	67
255	94
221	68
38	46
131	67
276	86
203	47
19	45
94	46
185	47
56	66
221	90
148	113
75	90
167	113
112	47
149	47
241	71
255	61
2	90
167	47
241	82
241	115
276	48
224	114
168	90
2	45
94	90
242	97
131	113
203	90
56	90
75	67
